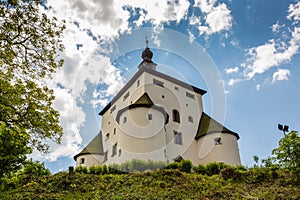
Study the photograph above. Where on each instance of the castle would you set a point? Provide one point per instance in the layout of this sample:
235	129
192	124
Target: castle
160	118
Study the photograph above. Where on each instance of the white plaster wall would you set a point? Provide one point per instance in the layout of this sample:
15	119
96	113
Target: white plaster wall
89	160
205	150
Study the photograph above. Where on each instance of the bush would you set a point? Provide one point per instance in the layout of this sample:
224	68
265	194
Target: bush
34	168
173	165
185	166
230	173
215	168
81	169
200	169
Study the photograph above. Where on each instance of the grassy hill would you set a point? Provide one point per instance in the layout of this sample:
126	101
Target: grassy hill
229	183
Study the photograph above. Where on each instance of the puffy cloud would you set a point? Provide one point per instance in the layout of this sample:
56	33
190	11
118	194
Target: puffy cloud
276	27
281	75
294	12
232	70
158	12
232	81
272	54
216	17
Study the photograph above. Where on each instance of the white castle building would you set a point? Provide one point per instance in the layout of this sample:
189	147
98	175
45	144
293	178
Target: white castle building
160	118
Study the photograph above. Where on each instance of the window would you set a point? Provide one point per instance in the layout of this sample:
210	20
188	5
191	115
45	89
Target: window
81	161
126	96
120	152
113	108
124	120
138	83
176	88
192	96
218	141
190	119
114	149
159	83
177	137
176	116
105	156
106	136
115	130
149	116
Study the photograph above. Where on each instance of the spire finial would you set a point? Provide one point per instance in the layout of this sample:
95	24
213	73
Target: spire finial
146	41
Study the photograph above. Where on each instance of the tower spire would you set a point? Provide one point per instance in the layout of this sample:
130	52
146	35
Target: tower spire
147	57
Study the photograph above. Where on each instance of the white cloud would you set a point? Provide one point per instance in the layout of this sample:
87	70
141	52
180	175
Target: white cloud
232	81
191	37
217	18
281	75
232	70
276	27
258	87
294	12
158	12
272	54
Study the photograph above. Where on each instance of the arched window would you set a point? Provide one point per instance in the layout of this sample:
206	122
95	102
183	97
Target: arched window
176	116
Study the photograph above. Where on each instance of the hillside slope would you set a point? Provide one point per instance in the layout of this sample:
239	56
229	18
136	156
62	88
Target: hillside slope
159	184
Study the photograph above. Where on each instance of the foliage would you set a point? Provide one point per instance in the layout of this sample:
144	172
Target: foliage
158	184
138	165
13	147
185	166
28	171
287	154
34	168
29	44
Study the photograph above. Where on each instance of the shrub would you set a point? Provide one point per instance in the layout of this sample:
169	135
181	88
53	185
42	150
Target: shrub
200	169
173	165
230	173
81	169
185	166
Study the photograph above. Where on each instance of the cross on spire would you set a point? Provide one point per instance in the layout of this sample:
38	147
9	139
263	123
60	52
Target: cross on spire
146	41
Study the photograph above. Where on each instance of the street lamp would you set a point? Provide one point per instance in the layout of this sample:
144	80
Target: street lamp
284	128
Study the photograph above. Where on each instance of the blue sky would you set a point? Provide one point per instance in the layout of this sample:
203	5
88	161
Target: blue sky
244	53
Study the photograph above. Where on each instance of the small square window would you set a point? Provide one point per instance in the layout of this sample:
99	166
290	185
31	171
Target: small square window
81	161
114	149
124	120
126	96
149	116
105	156
218	141
106	136
192	96
113	108
176	88
159	83
190	119
177	137
115	131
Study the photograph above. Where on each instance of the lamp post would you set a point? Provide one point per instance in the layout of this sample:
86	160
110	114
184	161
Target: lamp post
284	128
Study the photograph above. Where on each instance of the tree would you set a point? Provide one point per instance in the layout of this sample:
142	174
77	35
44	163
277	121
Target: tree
29	47
287	154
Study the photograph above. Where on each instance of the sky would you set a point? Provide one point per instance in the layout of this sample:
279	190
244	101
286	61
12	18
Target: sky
244	53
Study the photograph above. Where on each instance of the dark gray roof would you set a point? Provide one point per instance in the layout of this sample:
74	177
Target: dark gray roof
94	147
208	125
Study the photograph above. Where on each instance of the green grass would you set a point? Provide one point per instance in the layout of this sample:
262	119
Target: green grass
158	184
